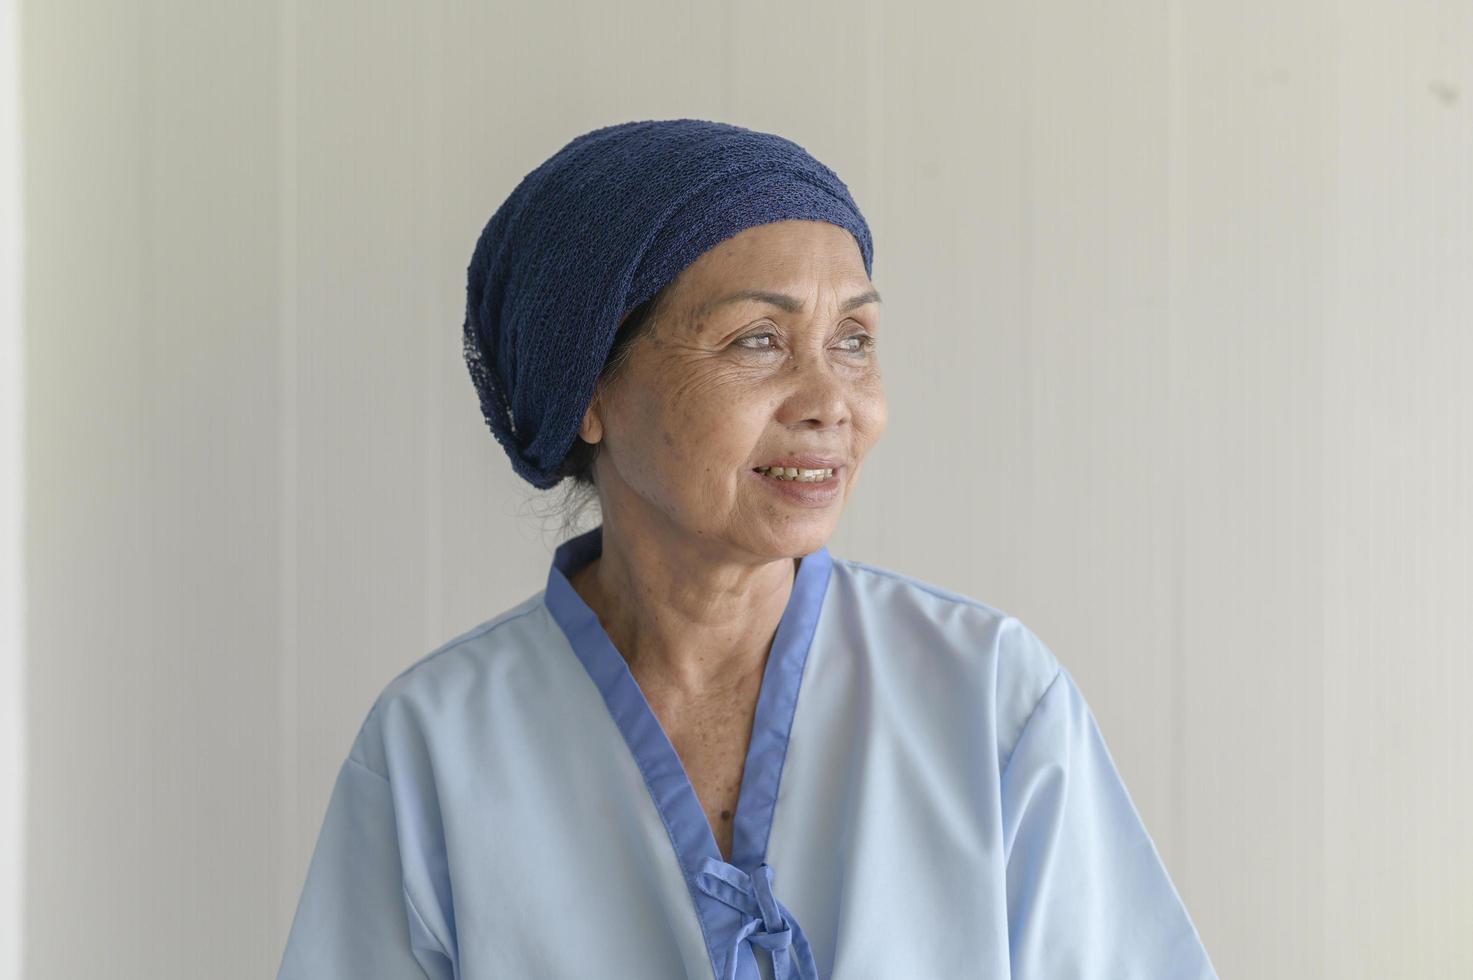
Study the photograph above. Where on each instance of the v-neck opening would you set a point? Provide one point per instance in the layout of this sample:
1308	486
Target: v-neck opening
665	777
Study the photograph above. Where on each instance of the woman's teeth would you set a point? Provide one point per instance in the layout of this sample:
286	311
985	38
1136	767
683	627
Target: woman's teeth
791	473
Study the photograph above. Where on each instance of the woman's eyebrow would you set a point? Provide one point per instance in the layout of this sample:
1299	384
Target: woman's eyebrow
784	302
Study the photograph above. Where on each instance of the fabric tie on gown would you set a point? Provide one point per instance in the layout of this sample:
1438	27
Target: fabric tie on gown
767	923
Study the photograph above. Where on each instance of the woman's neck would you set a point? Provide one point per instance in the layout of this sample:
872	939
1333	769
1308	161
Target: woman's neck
684	623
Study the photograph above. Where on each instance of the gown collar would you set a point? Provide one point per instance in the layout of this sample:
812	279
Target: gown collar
734	901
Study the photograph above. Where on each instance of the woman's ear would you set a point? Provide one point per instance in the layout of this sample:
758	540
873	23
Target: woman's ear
592	429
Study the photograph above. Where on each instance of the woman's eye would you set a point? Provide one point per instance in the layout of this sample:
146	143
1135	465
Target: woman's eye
863	342
755	336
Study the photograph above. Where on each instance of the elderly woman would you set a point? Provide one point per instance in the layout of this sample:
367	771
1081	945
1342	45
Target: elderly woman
709	748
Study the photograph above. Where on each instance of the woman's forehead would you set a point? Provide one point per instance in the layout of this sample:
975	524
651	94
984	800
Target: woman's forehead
780	259
853	297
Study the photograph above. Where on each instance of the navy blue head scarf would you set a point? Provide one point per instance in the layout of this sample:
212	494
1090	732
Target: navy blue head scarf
595	231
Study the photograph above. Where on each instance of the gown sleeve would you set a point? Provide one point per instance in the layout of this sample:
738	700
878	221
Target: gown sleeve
1088	897
355	918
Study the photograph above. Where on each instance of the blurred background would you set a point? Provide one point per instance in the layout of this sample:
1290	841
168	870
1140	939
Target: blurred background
1178	358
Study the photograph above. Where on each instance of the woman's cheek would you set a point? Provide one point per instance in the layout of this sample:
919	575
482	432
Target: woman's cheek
878	418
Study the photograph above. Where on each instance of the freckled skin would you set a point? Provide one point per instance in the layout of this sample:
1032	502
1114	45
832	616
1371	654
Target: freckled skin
697	565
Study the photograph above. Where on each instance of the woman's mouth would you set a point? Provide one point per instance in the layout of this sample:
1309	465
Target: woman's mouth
801	486
795	474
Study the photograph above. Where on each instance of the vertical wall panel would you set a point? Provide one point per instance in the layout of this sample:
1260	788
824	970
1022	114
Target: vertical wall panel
1251	154
1398	502
150	142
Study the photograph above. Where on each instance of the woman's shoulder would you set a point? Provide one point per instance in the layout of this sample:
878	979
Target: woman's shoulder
434	687
876	577
1013	664
504	634
967	618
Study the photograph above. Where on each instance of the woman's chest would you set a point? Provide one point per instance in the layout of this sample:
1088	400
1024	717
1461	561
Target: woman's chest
712	745
869	834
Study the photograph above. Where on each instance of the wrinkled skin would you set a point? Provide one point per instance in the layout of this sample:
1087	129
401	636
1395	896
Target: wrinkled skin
702	402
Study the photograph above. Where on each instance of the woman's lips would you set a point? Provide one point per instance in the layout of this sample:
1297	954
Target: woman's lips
805	461
817	493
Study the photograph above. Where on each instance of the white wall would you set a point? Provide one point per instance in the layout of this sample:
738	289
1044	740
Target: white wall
12	397
1177	308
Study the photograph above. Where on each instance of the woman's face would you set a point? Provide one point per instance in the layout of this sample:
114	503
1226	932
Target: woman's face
720	386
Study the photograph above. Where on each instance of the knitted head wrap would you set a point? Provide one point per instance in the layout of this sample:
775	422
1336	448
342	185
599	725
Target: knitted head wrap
595	231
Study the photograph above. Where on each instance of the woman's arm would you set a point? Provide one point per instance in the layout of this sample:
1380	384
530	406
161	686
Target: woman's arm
356	919
1088	896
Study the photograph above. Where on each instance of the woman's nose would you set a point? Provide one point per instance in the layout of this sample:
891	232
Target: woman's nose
818	390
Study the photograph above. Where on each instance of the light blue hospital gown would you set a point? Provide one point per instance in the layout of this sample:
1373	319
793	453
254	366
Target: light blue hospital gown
926	795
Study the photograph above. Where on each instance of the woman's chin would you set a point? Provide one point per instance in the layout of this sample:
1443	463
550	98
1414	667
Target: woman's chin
792	536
